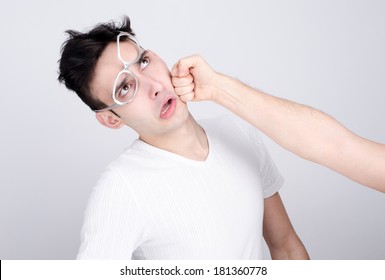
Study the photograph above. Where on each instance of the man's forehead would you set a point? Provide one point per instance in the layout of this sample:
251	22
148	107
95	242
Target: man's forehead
129	50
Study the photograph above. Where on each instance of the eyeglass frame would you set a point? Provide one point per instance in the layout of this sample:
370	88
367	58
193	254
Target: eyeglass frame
126	69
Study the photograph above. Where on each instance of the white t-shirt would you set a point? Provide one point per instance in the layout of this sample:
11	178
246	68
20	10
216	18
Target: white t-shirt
154	204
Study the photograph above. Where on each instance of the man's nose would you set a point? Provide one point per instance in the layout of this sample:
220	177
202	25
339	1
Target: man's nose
150	85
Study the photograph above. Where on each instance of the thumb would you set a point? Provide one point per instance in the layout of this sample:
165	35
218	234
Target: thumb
182	67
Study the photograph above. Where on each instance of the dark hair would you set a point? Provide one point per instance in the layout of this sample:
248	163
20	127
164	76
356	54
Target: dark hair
79	55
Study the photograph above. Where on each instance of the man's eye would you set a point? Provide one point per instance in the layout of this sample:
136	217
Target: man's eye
144	62
124	90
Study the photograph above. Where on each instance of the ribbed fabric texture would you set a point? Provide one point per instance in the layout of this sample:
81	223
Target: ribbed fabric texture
153	204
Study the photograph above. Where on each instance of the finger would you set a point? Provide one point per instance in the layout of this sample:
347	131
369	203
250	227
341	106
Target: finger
182	81
184	90
187	97
182	67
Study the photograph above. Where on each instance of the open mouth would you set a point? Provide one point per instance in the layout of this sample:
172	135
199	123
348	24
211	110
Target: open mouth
167	108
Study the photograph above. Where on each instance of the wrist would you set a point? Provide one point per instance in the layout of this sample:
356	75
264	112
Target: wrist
220	88
225	91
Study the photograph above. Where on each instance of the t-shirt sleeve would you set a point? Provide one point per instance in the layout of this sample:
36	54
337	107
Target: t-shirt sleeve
112	227
272	180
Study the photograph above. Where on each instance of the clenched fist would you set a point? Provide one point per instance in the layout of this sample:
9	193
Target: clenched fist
193	79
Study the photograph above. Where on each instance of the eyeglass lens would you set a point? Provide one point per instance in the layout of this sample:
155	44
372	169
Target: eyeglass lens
125	88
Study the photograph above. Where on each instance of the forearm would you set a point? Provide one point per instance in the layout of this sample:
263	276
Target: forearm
305	131
298	128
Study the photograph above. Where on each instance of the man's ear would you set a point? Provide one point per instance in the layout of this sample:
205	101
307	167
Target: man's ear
109	120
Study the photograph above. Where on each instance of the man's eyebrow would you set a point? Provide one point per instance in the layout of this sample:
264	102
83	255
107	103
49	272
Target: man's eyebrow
144	53
139	57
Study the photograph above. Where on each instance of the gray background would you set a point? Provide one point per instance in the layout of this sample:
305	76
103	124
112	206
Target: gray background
327	54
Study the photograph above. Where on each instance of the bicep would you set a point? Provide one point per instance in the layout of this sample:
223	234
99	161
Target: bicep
276	224
279	234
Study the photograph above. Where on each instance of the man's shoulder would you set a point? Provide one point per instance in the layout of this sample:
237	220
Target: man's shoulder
115	178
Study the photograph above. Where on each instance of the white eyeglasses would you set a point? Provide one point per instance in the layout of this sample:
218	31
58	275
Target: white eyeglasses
126	83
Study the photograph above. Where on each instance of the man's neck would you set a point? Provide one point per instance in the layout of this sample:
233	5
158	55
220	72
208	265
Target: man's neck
189	141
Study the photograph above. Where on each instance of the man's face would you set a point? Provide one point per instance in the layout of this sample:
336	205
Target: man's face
156	109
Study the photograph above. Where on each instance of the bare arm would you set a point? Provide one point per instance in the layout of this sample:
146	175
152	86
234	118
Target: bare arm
305	131
279	234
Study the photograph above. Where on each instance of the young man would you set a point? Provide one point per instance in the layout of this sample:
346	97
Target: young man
182	190
308	132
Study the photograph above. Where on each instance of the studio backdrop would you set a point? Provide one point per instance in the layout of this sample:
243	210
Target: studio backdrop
326	54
